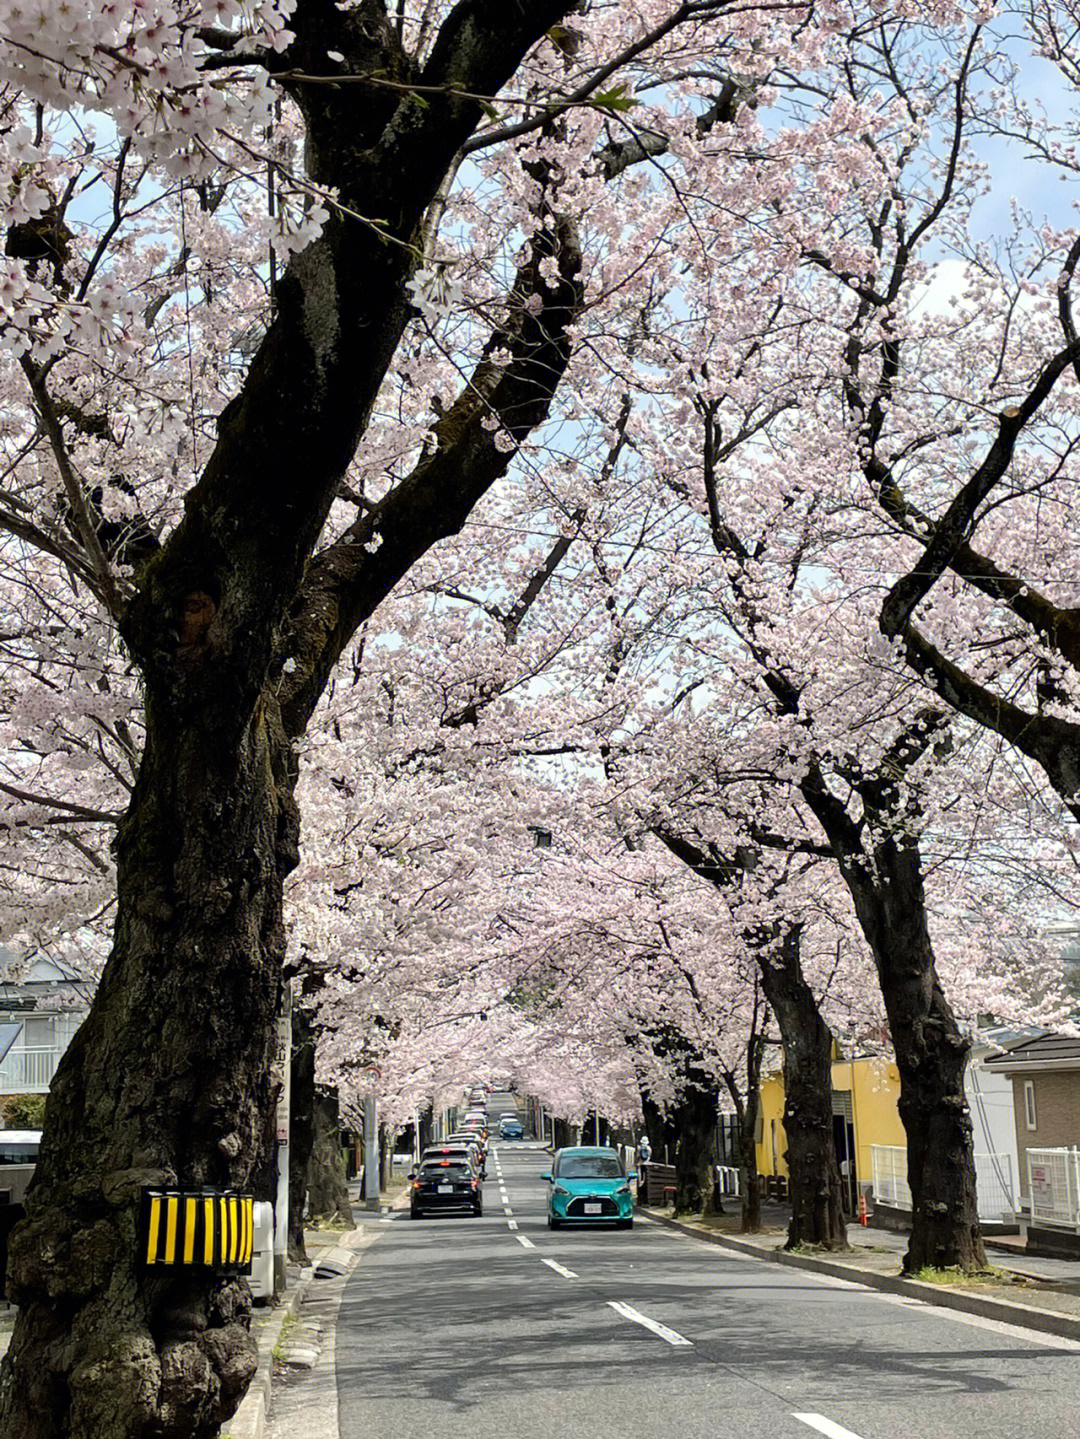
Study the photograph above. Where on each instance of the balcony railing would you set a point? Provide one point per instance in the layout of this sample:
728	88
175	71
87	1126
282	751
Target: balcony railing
29	1070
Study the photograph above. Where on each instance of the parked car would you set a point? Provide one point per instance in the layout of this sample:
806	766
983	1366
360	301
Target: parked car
589	1186
445	1186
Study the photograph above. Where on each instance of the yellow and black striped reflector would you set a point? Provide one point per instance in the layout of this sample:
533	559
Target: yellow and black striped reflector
215	1230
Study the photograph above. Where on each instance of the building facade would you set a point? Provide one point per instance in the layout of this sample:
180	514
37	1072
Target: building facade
42	1003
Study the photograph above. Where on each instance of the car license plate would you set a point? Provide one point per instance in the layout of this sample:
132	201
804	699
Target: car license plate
593	1208
446	1189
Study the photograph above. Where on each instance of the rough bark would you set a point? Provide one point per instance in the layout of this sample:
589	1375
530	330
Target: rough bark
813	1173
814	1176
747	1104
751	1211
881	865
328	1192
694	1120
167	1082
662	1135
301	1128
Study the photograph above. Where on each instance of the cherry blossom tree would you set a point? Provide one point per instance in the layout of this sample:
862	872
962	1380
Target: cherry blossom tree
185	419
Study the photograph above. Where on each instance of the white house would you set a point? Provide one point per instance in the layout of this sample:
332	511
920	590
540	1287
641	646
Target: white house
993	1117
43	1001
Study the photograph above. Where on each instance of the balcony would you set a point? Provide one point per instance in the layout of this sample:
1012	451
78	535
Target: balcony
29	1070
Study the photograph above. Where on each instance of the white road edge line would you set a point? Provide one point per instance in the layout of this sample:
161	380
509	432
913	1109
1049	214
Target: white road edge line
628	1312
559	1269
826	1426
526	1243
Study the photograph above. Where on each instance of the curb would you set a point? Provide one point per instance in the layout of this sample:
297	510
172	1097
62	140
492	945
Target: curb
251	1418
249	1421
1044	1321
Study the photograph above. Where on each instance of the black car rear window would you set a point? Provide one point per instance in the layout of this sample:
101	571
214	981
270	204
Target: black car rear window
450	1171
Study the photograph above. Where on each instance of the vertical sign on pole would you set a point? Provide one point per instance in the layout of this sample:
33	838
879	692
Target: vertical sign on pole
283	1073
371	1152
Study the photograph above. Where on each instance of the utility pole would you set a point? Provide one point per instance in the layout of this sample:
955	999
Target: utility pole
283	1066
371	1153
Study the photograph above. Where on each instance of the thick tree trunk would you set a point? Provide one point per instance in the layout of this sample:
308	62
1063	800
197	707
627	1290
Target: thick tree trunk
235	621
931	1055
886	885
695	1146
301	1128
747	1108
167	1084
328	1191
750	1222
813	1172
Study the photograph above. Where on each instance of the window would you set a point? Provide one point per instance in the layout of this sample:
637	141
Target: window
589	1166
38	1031
1030	1118
18	1151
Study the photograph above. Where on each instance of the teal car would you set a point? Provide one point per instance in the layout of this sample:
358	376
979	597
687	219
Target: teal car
589	1186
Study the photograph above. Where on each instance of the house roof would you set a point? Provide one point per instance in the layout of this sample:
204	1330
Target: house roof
1046	1051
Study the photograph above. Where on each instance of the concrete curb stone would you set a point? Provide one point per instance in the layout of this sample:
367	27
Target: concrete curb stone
1045	1321
251	1419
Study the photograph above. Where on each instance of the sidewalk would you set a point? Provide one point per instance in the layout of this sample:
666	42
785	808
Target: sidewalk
291	1341
280	1331
1039	1294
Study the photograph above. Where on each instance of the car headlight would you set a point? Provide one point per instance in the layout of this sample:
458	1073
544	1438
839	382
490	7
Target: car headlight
623	1189
560	1189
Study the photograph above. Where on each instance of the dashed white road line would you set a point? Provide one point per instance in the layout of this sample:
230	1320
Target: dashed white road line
628	1312
826	1426
559	1269
511	1224
525	1243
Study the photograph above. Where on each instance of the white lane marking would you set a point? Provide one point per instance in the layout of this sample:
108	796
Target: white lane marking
826	1426
559	1269
511	1224
628	1312
527	1243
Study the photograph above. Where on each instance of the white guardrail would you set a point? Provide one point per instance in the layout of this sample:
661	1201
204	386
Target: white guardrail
728	1178
994	1181
28	1071
1054	1186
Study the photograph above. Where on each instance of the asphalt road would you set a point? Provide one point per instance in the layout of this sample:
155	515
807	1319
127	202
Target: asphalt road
499	1327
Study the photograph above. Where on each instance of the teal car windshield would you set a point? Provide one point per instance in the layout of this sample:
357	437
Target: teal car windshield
589	1166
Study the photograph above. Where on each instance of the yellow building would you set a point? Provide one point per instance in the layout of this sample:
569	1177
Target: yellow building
865	1093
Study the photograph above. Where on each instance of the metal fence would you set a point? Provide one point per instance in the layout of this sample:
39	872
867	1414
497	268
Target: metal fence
1054	1186
727	1176
994	1181
29	1071
890	1175
995	1186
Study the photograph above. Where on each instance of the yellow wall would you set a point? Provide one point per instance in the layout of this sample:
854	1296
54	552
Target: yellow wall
877	1120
